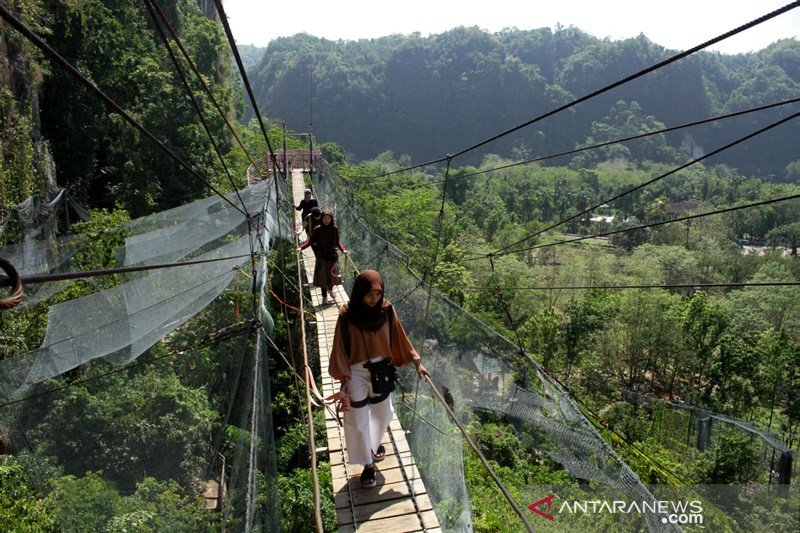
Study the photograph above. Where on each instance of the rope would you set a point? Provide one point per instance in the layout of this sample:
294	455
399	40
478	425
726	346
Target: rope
15	282
664	286
480	455
311	437
199	76
651	181
615	141
614	85
66	65
662	223
45	278
246	82
149	5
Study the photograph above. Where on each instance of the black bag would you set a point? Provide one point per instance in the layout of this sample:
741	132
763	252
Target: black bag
382	375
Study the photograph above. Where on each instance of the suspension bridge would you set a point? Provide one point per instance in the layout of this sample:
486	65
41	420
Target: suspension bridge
399	501
191	254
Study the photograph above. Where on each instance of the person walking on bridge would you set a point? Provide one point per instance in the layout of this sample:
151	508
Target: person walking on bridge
306	205
325	239
368	343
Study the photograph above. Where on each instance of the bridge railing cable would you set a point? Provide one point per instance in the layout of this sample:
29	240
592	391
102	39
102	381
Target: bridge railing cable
18	25
602	90
727	146
199	76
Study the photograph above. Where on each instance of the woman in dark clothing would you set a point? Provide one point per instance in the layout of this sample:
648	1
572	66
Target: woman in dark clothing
375	339
325	239
306	205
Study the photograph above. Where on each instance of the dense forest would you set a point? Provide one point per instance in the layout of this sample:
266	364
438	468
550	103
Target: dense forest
133	450
428	96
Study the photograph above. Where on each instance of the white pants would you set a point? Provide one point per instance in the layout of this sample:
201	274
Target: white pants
364	426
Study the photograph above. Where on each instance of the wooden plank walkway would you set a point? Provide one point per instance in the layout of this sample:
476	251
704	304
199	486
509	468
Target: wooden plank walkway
399	501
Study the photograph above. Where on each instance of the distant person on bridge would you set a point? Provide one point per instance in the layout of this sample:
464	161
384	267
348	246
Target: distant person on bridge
325	238
306	205
369	342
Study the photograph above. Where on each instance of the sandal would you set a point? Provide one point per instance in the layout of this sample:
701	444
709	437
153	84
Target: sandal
380	454
368	477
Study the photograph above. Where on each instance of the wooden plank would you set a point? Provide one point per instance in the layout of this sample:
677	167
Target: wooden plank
387	506
392	475
388	509
380	493
404	523
339	469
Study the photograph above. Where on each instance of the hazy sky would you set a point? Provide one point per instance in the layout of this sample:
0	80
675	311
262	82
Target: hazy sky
676	24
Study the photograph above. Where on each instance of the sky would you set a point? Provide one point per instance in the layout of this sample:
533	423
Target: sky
675	24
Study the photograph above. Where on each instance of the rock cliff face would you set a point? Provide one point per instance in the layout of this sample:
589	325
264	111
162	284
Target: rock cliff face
208	8
23	153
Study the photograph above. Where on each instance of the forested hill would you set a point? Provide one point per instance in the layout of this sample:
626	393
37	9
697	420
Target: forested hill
427	96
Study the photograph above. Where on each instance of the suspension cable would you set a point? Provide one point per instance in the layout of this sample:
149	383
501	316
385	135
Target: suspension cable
232	42
199	76
45	278
195	104
644	286
651	181
656	224
639	74
15	23
615	141
661	64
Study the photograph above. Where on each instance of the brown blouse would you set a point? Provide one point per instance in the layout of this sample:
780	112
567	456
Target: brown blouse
366	345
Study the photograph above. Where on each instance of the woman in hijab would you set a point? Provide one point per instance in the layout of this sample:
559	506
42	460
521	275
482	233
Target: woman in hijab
369	342
325	239
306	205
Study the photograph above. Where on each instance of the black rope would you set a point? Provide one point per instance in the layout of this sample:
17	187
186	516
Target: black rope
44	278
66	65
651	181
616	141
232	42
199	77
607	88
656	224
179	70
639	74
662	286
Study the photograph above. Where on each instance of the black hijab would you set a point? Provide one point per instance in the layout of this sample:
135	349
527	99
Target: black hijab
360	314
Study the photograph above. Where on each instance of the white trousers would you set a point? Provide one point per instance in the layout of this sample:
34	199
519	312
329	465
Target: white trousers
364	426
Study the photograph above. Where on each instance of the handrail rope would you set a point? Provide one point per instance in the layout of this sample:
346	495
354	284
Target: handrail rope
15	282
608	143
66	65
246	82
195	104
199	76
661	223
644	286
480	456
651	181
46	278
311	436
672	59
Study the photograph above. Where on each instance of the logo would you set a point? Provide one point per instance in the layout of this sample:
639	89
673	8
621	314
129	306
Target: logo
535	506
